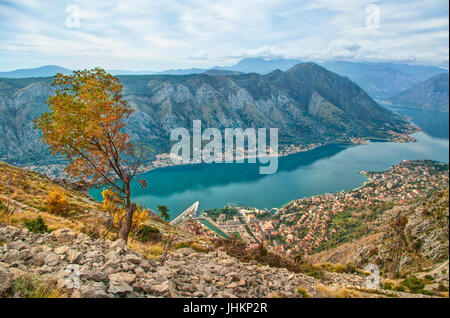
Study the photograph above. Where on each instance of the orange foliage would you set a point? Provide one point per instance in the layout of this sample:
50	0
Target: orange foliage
112	204
84	125
57	202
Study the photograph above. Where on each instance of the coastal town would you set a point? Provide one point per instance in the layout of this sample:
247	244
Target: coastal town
303	225
240	154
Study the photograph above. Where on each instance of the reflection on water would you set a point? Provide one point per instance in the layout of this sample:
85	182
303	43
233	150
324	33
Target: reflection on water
202	176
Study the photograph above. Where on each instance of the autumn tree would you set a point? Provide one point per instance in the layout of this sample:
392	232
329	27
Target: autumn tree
85	126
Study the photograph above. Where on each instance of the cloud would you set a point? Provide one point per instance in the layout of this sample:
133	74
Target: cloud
159	35
201	55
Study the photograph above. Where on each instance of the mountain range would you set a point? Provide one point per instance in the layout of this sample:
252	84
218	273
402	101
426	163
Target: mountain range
43	71
379	80
432	94
382	80
307	103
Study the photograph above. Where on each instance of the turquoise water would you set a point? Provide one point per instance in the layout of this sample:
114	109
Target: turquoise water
212	227
327	169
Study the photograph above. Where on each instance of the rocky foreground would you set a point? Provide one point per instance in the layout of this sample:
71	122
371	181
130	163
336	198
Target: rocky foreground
82	267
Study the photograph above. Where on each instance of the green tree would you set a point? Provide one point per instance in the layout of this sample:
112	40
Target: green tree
164	212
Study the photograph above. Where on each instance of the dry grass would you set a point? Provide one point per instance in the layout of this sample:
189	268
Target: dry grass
151	250
328	292
32	189
54	222
23	197
34	286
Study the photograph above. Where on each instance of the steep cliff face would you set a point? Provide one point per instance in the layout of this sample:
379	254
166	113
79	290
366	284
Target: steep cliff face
307	104
20	102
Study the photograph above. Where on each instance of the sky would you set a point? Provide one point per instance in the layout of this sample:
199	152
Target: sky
169	34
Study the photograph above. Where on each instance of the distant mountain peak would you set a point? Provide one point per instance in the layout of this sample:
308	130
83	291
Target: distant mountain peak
432	94
42	71
307	65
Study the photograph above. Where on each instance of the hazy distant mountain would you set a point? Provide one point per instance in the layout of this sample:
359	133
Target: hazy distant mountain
307	104
248	65
43	71
382	80
126	72
379	80
221	72
186	71
433	94
260	65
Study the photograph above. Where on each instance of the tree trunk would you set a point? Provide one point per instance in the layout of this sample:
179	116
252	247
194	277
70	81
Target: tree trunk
126	226
130	209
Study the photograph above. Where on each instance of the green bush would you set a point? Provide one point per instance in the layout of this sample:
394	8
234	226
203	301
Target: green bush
414	284
34	286
429	278
183	245
400	288
36	225
442	288
303	292
3	207
417	244
147	233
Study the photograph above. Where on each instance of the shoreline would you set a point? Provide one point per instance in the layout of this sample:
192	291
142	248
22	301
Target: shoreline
288	150
295	149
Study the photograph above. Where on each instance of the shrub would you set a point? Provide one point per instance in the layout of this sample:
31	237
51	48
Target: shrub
195	246
239	249
442	288
36	225
147	233
182	245
350	268
388	286
3	207
338	268
417	244
400	288
34	286
57	202
303	292
414	284
313	271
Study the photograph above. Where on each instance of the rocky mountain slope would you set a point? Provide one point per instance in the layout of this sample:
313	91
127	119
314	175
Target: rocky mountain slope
73	265
406	240
307	103
432	94
75	260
